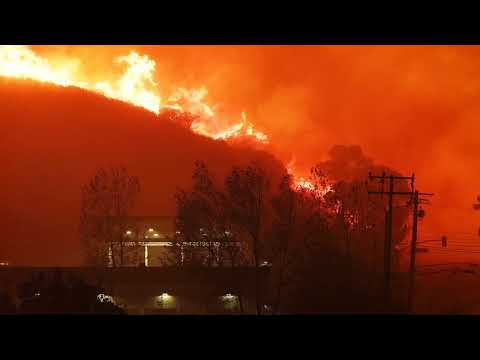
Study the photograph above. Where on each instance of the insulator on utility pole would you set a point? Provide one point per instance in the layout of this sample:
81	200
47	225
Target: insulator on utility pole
421	213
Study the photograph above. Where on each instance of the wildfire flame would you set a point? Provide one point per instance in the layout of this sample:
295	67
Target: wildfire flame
301	183
136	86
243	128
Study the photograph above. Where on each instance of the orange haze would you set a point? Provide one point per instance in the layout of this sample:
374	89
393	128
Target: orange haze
412	108
54	140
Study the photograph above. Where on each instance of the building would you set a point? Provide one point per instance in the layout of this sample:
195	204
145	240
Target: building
150	290
153	241
156	279
149	239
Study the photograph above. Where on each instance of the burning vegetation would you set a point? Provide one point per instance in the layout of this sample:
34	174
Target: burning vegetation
322	233
135	86
251	219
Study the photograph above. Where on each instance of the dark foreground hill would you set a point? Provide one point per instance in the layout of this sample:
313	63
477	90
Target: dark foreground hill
52	141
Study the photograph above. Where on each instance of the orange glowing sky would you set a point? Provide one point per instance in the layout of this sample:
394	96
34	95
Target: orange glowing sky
412	108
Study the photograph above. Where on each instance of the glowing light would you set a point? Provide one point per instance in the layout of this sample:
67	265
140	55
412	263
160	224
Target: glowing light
146	255
105	298
166	301
151	230
128	232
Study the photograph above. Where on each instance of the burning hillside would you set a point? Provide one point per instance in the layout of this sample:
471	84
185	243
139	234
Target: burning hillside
295	115
54	139
136	85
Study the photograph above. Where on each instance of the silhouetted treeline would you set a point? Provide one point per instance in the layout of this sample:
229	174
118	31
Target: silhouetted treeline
323	241
322	237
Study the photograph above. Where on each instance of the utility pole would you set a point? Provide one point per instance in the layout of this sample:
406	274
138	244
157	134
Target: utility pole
389	222
477	207
413	251
388	253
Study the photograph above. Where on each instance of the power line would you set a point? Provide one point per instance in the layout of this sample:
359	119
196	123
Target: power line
466	248
458	243
453	232
445	264
459	251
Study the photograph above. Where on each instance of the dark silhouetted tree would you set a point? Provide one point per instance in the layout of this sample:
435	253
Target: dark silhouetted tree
328	252
106	202
203	218
248	191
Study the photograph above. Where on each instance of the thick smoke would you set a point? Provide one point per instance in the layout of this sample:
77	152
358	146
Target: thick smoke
413	108
54	140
